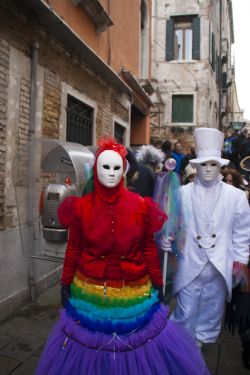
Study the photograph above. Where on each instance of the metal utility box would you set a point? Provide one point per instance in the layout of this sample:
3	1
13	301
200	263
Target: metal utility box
53	196
72	163
45	172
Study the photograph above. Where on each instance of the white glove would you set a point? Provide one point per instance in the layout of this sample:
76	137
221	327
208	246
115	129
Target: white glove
166	243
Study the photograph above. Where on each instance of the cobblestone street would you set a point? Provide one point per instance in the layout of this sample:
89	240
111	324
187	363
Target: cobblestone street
23	336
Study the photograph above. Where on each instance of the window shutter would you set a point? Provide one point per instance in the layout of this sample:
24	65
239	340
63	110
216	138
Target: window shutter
217	69
196	38
213	52
224	81
170	39
182	108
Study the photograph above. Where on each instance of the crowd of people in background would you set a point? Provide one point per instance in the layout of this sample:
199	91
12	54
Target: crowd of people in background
236	148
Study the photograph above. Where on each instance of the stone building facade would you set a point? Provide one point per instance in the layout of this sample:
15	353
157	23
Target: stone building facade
192	67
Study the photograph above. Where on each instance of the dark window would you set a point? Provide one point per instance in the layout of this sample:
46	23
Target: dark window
119	133
183	38
79	122
182	108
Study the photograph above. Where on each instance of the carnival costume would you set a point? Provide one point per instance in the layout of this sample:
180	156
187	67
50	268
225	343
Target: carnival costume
113	322
216	224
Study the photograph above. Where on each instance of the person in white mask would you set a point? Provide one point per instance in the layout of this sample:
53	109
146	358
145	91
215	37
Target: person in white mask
215	252
113	320
110	168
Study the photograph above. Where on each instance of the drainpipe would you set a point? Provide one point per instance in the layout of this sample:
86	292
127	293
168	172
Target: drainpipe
31	159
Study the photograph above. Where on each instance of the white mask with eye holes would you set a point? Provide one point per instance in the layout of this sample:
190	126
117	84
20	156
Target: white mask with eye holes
208	171
109	168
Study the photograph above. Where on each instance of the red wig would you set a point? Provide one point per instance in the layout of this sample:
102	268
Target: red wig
111	144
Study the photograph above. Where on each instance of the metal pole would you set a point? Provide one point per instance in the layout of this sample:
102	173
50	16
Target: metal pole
31	158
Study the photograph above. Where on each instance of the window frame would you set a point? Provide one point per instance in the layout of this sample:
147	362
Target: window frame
183	25
81	121
68	90
193	123
194	20
117	120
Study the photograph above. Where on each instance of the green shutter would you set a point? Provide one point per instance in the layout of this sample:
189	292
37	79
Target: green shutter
188	109
170	40
182	108
175	108
196	38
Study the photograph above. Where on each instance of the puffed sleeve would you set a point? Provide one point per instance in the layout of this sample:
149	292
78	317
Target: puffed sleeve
69	217
154	219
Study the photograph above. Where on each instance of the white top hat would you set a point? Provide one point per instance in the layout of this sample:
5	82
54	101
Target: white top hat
209	143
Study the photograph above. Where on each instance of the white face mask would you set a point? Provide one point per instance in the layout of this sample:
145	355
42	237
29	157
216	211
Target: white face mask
208	171
109	168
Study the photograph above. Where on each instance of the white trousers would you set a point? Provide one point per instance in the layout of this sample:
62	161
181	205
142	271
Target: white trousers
200	305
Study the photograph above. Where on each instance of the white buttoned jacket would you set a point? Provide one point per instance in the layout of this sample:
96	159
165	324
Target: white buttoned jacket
230	241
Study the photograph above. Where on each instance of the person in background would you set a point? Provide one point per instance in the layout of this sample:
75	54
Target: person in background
151	157
140	179
237	315
231	148
242	136
166	147
234	178
178	156
189	174
244	152
156	143
185	160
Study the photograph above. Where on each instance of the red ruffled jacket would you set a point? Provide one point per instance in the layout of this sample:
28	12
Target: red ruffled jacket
112	241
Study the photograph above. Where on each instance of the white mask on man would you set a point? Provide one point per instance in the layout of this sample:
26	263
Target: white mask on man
109	168
208	171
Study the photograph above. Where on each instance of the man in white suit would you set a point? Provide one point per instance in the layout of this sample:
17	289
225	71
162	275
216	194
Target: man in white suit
217	237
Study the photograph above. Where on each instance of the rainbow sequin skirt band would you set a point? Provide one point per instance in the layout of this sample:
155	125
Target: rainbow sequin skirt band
112	306
112	327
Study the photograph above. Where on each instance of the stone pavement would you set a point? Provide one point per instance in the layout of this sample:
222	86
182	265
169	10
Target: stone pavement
23	335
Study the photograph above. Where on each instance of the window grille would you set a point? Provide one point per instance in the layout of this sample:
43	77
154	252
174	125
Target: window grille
79	122
119	133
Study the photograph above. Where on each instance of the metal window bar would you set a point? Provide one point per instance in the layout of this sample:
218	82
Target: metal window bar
79	122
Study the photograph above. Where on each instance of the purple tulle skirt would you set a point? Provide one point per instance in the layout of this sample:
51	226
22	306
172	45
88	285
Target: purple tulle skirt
160	347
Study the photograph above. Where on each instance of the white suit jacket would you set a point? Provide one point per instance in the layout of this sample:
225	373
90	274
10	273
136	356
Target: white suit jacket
231	227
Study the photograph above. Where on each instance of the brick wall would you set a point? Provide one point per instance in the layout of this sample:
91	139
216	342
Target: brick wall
58	67
51	102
